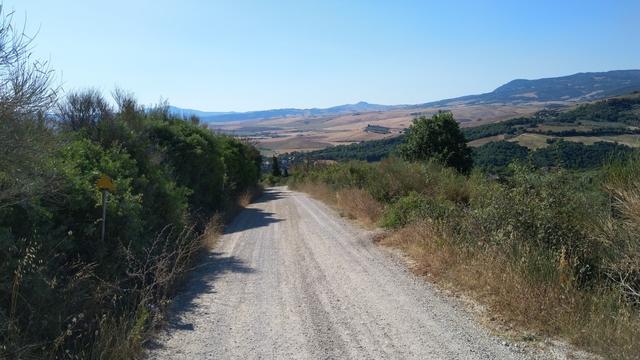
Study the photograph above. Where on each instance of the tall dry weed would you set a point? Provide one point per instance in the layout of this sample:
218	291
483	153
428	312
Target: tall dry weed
318	191
359	204
622	235
521	307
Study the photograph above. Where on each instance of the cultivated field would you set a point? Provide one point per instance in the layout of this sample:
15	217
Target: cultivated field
311	133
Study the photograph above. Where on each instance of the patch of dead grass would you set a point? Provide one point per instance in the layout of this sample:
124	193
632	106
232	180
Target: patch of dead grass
593	319
359	204
353	203
318	191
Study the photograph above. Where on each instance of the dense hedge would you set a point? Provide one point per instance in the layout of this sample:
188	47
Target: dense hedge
64	291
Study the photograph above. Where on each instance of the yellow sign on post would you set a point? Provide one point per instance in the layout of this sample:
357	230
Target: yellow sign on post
105	183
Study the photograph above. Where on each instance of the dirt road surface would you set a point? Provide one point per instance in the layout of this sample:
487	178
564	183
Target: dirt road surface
290	279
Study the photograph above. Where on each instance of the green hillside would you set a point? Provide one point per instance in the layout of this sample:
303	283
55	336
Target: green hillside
614	120
581	137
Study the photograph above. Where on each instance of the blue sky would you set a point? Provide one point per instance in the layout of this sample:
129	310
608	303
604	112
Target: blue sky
247	55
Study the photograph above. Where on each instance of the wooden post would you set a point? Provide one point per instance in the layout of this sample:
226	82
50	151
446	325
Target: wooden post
105	184
105	197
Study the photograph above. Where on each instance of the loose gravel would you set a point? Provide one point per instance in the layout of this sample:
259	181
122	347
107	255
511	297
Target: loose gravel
290	279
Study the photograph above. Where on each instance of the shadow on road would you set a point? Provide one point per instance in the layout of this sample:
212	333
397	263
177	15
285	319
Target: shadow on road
251	217
212	265
201	280
270	195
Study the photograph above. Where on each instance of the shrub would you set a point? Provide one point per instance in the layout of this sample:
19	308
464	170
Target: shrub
195	157
415	207
359	204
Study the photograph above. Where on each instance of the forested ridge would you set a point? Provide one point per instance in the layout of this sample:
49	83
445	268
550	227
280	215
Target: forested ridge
623	111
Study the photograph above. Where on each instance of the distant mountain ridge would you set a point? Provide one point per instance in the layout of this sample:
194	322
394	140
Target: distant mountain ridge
577	87
190	112
278	113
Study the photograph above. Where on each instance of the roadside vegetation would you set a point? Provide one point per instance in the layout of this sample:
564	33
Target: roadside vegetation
277	174
64	292
551	252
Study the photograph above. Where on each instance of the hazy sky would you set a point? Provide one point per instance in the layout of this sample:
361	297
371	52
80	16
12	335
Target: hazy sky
249	55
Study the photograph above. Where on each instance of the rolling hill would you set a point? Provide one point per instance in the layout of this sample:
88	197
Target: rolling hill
582	136
280	113
287	130
577	87
572	88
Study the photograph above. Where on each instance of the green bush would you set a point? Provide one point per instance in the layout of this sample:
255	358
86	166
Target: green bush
538	214
415	207
64	288
437	138
195	157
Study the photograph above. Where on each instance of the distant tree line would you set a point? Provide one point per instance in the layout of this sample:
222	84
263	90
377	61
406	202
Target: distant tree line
624	111
602	131
370	151
494	157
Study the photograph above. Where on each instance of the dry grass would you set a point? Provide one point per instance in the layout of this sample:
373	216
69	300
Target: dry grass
355	204
532	141
419	241
245	199
212	232
625	242
522	308
318	191
485	140
359	204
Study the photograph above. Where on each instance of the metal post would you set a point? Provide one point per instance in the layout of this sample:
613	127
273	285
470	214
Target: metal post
105	195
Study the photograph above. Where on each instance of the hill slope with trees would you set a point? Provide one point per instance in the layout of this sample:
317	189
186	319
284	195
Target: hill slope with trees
559	132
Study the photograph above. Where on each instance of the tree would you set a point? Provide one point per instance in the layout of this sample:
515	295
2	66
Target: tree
82	110
275	166
438	138
26	137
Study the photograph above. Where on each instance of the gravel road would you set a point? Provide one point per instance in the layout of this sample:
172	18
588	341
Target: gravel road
290	279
